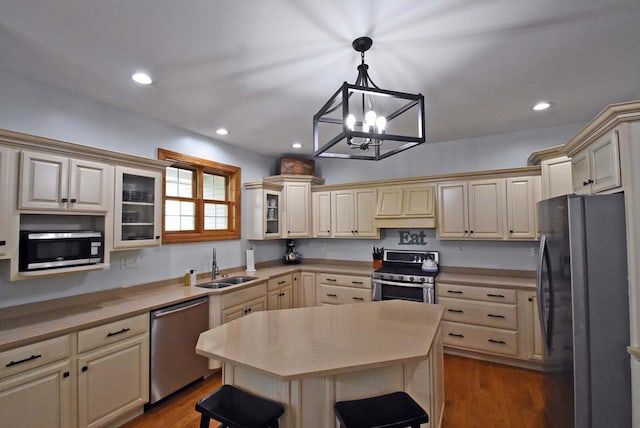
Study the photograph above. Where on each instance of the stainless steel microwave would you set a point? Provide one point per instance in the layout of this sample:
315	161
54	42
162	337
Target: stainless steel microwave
52	250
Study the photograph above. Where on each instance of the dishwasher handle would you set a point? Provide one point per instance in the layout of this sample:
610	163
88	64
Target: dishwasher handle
178	308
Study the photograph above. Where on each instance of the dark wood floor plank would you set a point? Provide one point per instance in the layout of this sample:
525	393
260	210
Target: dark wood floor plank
477	394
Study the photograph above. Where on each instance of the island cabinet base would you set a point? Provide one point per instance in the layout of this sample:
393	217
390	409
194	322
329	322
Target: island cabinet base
309	402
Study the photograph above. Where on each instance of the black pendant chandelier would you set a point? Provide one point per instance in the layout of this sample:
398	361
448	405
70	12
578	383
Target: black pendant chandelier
371	123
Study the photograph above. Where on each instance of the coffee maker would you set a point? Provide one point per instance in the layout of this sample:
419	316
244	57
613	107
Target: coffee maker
291	256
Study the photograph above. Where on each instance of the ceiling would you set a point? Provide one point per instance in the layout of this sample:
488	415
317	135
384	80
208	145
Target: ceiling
262	68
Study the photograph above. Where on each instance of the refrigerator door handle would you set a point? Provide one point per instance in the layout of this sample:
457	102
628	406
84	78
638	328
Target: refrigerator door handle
543	256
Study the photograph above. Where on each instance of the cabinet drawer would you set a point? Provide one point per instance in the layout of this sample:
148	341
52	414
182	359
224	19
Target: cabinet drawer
346	280
478	338
279	282
480	313
112	332
487	294
338	295
38	354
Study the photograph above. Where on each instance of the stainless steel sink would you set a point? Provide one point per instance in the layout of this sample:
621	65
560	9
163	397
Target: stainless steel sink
226	282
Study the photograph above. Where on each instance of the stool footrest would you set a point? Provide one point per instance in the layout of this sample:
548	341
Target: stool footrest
395	410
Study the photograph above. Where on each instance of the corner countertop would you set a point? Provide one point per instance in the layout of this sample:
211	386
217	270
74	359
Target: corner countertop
20	325
28	323
325	340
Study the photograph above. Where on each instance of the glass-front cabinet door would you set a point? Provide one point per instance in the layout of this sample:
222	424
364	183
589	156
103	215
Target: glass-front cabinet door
138	208
272	213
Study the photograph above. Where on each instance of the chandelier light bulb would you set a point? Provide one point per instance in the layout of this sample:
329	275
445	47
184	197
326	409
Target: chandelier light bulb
370	117
351	121
381	123
365	127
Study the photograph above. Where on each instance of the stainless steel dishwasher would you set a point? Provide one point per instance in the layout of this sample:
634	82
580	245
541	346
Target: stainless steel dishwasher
174	333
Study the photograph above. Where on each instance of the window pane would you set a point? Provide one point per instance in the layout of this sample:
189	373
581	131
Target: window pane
215	217
179	182
219	188
180	215
214	187
172	208
172	223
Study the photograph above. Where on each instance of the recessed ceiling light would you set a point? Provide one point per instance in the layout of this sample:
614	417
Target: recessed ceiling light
542	105
296	145
141	78
222	131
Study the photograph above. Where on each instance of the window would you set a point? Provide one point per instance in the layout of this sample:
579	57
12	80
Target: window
201	199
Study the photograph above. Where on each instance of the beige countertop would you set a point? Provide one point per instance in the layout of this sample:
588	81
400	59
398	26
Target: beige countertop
325	340
487	278
22	324
27	323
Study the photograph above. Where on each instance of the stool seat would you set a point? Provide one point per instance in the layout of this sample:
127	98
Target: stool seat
395	410
238	409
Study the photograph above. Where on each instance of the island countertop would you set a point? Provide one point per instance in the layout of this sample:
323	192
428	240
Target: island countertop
325	340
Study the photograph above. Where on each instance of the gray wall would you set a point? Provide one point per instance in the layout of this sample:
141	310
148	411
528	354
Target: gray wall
39	109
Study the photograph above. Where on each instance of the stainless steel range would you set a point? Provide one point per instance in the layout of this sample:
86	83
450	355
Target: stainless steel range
406	275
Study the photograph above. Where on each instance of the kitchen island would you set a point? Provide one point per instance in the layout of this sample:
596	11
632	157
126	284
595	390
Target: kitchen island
309	358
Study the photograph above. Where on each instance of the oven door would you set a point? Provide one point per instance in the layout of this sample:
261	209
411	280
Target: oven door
393	290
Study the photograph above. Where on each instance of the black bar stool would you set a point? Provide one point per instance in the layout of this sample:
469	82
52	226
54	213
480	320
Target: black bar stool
395	410
238	409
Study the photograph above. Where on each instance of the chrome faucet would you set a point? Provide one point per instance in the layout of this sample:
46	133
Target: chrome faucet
214	265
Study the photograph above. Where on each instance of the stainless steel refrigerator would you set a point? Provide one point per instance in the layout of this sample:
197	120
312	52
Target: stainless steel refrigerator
583	304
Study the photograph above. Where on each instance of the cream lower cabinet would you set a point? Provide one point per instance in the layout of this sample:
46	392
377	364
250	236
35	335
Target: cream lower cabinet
531	342
242	302
352	213
51	182
304	289
337	289
280	292
113	371
479	318
597	167
36	385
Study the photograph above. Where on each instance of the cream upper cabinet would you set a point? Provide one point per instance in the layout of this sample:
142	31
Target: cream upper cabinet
405	201
264	212
557	179
486	209
474	209
352	213
5	204
296	203
597	167
321	214
453	215
138	208
297	210
522	195
52	182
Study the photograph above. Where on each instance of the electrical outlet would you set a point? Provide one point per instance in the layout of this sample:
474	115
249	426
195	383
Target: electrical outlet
534	251
130	262
460	248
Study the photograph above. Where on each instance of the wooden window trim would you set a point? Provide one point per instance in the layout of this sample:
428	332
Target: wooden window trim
234	199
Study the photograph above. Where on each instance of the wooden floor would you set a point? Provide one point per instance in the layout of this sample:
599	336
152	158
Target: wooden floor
478	394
